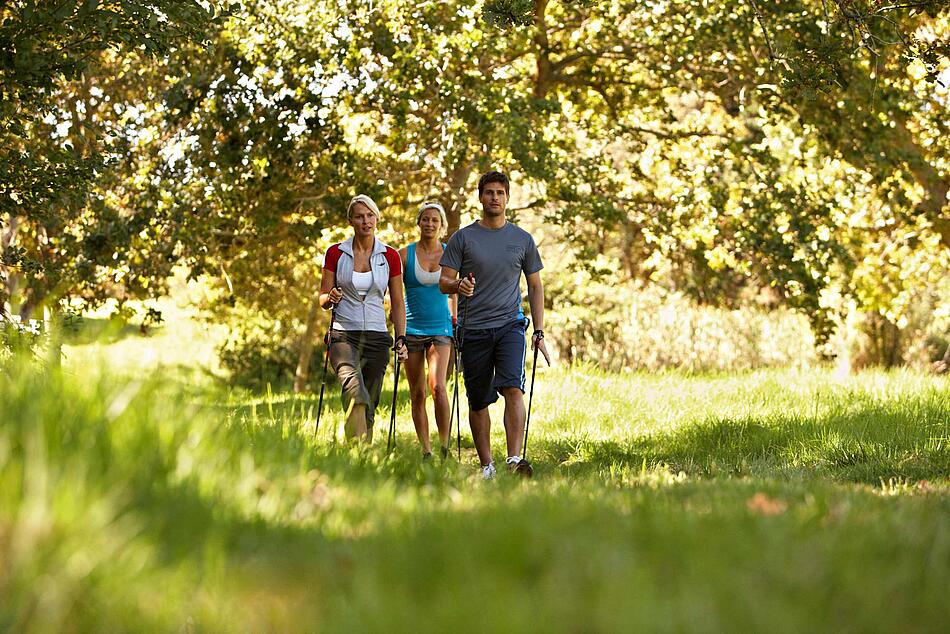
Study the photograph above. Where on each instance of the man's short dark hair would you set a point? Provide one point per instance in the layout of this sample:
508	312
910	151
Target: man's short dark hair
492	177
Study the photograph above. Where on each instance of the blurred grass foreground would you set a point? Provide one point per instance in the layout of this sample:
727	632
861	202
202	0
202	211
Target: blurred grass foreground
778	500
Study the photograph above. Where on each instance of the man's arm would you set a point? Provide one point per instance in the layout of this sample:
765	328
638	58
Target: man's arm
450	284
448	280
536	299
536	302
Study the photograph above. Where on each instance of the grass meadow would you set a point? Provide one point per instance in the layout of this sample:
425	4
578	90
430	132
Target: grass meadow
147	498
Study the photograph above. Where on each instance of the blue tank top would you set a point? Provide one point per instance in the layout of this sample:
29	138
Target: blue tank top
427	308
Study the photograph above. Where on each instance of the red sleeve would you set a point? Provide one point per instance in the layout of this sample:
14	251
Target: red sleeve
333	256
395	262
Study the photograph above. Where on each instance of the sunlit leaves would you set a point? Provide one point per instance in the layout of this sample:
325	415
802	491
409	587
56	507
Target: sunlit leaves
505	13
51	132
717	147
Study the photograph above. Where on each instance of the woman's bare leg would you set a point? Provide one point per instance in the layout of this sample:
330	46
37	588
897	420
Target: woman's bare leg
438	357
355	425
416	373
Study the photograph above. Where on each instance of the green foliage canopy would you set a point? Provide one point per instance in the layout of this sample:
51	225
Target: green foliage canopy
717	147
56	236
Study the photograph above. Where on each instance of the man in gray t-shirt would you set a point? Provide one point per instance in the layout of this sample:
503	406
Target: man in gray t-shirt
491	254
497	257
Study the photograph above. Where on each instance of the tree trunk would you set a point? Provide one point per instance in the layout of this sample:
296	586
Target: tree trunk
8	278
52	326
884	339
458	179
302	374
943	365
544	73
37	294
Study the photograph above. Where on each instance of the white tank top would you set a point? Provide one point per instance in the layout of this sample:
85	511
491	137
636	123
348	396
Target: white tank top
426	278
362	282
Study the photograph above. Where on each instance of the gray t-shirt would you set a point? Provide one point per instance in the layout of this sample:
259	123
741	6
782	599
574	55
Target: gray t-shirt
497	257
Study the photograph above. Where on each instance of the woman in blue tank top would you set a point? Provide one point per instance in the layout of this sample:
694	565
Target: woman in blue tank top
430	316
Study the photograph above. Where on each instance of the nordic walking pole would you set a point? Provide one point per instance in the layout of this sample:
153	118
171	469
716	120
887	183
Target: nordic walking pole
326	361
538	335
456	403
458	400
455	394
391	441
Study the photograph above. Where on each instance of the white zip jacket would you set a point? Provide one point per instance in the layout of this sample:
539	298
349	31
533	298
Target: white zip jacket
354	312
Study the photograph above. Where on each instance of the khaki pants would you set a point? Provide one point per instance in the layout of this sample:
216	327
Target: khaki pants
359	359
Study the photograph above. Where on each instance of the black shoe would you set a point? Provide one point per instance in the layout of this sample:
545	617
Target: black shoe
427	456
522	468
444	451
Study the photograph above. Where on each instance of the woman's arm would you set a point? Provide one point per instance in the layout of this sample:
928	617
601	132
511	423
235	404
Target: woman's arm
397	305
329	292
397	315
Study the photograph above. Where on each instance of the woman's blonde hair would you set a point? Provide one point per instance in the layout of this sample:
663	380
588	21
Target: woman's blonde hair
366	200
437	207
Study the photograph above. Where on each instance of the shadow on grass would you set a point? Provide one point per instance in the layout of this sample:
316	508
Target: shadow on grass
865	442
348	539
545	544
906	439
282	404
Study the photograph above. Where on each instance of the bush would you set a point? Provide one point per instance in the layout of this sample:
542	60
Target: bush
919	340
258	353
18	337
644	327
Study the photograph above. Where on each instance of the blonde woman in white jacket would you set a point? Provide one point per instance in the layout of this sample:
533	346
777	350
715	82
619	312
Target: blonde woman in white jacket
357	274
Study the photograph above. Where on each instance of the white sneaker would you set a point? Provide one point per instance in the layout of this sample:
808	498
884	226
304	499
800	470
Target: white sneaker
488	471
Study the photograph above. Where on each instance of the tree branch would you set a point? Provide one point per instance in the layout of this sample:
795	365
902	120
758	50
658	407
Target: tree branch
671	135
765	32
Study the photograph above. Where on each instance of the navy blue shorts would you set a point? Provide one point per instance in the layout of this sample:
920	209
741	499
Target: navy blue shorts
493	358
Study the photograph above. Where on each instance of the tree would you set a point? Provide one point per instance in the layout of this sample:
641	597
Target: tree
298	106
59	238
796	86
708	152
